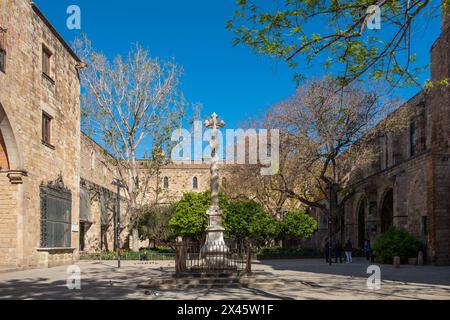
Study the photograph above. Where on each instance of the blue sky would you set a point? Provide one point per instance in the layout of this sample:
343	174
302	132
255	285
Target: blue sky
232	81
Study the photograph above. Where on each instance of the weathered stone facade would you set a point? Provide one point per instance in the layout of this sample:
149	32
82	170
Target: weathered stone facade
26	94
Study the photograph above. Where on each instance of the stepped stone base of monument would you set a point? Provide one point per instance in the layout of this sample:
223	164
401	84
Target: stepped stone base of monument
209	280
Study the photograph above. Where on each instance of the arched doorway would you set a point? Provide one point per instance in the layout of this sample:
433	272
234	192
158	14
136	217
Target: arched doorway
362	222
387	211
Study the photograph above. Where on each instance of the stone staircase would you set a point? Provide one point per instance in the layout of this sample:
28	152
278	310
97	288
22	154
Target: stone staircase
210	281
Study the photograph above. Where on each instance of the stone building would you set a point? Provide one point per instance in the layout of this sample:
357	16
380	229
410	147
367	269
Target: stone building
409	185
39	140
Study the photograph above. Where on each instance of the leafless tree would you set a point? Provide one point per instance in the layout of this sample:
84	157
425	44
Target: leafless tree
326	134
131	106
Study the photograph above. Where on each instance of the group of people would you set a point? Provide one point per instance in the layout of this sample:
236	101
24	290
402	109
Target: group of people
337	251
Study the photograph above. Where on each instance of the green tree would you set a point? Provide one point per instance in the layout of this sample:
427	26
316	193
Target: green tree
190	217
291	30
297	224
154	223
247	220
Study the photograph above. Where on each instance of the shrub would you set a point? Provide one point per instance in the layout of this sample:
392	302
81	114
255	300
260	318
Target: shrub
396	242
277	252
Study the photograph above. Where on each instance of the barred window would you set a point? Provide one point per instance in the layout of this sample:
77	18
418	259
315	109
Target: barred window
2	49
166	183
56	216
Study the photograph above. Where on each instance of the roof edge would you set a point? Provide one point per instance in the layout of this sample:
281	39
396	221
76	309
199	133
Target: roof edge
55	32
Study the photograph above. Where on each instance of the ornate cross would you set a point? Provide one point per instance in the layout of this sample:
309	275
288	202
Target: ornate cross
214	122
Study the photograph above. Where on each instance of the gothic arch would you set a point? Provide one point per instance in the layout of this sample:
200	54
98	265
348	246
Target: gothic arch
387	210
8	142
361	218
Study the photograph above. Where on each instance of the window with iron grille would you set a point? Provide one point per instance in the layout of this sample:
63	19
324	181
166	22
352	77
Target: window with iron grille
56	216
2	49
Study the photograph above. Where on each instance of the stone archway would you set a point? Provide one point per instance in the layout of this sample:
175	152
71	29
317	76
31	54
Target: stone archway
362	222
9	155
387	211
9	192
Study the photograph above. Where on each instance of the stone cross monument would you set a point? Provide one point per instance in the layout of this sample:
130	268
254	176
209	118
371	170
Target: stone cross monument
214	250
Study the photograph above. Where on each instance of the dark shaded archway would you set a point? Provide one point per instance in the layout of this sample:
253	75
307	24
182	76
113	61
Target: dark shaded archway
362	222
387	211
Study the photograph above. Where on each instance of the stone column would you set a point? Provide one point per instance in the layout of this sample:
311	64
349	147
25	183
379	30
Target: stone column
214	250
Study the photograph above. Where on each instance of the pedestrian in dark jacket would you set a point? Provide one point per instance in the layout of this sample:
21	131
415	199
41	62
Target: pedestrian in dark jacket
338	252
326	249
348	251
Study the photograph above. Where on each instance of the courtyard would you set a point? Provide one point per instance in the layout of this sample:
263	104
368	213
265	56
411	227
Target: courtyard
306	279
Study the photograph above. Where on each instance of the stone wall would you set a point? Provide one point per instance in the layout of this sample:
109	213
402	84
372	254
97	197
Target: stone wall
25	93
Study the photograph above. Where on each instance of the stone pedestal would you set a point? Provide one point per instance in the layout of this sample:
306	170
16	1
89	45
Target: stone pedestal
215	251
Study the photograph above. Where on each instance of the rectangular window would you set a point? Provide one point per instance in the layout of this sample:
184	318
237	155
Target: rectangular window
2	49
46	61
46	129
412	138
56	217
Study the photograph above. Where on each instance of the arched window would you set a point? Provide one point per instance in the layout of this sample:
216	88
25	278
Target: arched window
166	182
195	183
387	211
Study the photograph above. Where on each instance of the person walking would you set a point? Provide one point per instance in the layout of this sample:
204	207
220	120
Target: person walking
368	251
348	251
338	252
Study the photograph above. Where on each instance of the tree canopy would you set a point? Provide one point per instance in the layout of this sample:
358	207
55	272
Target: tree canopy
334	33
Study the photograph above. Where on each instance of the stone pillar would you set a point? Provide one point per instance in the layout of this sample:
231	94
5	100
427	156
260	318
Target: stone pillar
214	250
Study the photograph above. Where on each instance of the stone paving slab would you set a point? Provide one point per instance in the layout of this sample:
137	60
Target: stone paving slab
292	279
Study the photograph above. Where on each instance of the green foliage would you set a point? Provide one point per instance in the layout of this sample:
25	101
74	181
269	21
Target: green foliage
154	223
396	242
152	254
289	31
190	217
287	252
297	224
248	220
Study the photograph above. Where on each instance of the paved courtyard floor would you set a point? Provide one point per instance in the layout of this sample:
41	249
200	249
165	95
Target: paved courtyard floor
292	279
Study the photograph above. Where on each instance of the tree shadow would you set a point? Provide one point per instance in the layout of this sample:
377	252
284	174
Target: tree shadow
432	275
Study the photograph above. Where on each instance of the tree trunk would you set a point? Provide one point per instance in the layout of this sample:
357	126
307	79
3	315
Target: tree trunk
134	245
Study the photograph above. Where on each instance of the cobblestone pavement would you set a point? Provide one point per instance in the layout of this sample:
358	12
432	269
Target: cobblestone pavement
291	279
